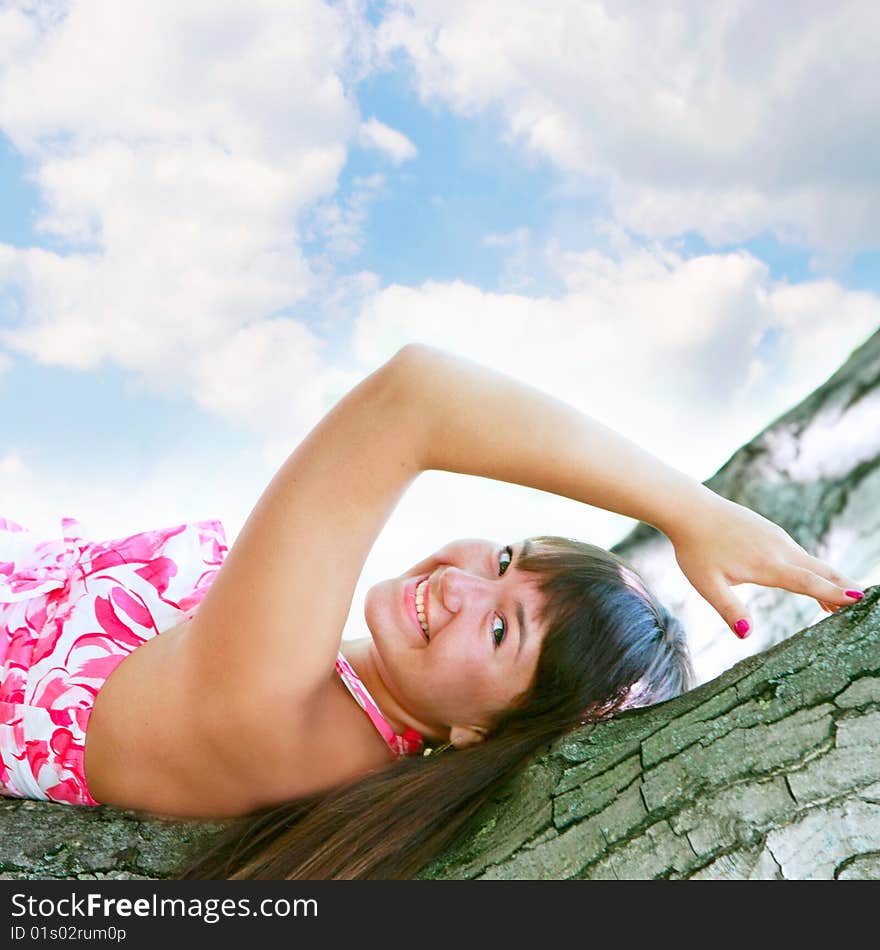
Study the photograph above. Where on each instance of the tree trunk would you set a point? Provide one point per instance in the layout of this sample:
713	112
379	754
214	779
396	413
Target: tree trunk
772	769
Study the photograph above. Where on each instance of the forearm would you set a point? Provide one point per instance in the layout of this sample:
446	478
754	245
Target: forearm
475	421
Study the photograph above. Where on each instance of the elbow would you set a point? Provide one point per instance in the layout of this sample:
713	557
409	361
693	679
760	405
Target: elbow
408	394
414	353
410	364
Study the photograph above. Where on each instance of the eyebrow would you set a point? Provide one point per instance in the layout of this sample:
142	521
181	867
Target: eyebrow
520	612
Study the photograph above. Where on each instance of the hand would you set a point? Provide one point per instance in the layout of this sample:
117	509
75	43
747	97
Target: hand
726	544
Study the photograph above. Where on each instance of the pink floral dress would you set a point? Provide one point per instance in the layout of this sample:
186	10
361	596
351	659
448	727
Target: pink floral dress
70	611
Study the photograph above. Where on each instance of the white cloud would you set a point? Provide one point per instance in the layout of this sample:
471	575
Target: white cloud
644	340
176	156
271	377
125	497
375	134
725	119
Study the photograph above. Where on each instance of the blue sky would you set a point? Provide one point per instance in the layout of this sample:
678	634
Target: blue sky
657	212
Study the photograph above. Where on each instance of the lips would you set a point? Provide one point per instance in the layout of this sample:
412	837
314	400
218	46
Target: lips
409	598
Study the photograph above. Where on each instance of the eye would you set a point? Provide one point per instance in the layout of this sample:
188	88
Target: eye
505	556
496	633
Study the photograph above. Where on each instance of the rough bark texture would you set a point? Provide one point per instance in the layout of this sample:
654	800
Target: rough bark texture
770	770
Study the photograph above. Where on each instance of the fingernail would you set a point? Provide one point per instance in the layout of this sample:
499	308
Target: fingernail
741	628
855	594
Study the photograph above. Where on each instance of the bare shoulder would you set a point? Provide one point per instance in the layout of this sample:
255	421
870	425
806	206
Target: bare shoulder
146	740
159	742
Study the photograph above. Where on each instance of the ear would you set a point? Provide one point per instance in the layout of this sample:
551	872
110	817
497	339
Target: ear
461	736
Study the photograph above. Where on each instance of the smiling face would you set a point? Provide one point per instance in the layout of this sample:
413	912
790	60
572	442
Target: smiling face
483	640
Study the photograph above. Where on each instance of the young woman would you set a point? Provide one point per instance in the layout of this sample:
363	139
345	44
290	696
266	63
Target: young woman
245	707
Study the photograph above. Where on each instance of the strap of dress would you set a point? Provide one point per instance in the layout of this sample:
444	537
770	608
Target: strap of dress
410	743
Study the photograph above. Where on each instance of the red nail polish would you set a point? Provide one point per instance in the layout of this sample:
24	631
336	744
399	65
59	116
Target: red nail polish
855	594
741	628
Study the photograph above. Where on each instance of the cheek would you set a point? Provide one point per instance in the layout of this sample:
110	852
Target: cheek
462	667
378	609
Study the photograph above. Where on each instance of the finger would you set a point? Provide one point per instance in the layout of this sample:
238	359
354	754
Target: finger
801	580
826	571
731	608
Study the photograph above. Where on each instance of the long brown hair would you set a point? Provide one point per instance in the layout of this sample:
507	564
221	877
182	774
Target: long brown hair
610	645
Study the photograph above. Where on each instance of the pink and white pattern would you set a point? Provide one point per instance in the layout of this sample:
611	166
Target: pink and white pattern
70	611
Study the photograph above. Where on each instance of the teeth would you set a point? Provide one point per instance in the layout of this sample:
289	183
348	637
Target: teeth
420	606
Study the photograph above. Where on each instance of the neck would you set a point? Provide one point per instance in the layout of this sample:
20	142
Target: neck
361	654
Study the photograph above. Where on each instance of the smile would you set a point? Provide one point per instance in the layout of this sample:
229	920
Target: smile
421	606
410	604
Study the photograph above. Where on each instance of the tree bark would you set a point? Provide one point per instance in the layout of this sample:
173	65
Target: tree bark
770	770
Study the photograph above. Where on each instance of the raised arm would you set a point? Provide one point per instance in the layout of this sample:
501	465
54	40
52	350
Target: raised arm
269	628
481	422
267	632
272	622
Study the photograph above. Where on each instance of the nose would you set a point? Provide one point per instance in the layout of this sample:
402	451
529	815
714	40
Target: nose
459	588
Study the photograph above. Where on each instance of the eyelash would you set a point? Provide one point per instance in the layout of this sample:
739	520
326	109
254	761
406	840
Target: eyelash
506	550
